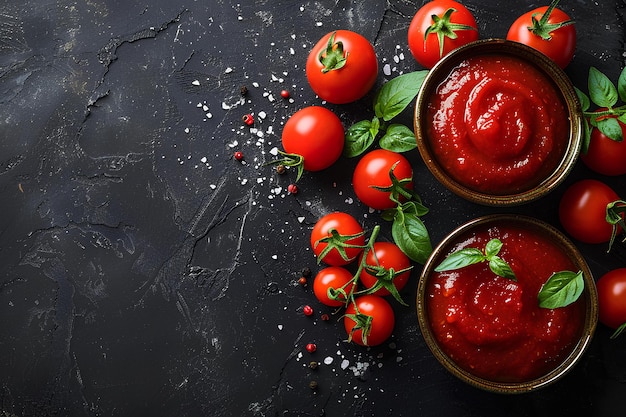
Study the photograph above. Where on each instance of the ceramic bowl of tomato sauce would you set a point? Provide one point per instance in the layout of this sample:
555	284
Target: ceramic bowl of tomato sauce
491	331
498	123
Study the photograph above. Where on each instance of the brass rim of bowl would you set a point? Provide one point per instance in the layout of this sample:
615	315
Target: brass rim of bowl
590	294
552	72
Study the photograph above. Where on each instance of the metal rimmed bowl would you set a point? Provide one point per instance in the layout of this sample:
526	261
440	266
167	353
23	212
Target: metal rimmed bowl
552	73
588	307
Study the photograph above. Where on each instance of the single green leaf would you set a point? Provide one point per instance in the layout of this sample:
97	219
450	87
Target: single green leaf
359	137
561	289
398	138
611	128
460	259
622	118
410	234
499	267
601	90
584	99
621	85
395	95
492	248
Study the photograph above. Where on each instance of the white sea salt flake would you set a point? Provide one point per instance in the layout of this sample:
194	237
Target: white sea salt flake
203	159
255	84
344	364
205	107
328	360
186	130
195	82
212	186
262	114
228	70
274	151
209	115
301	219
225	106
280	327
274	256
387	69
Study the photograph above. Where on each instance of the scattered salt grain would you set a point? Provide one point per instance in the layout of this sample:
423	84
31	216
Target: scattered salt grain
195	82
387	69
328	360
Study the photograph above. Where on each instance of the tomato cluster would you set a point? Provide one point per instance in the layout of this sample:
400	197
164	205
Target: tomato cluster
337	240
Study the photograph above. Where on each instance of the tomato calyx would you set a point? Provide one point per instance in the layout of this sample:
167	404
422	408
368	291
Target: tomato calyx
363	323
385	280
542	27
290	160
442	27
333	57
339	242
615	217
398	189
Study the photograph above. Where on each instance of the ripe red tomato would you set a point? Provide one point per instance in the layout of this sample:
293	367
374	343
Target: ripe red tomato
558	43
604	155
378	327
316	134
429	38
345	225
342	67
612	298
335	277
582	211
388	256
373	170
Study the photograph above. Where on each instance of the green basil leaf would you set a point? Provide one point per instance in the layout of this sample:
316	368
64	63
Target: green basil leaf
584	99
359	137
499	267
611	128
414	207
621	84
461	259
561	289
622	117
398	138
601	89
492	248
410	234
396	94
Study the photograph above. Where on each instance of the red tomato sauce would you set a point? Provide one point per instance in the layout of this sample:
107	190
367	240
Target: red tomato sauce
497	124
493	327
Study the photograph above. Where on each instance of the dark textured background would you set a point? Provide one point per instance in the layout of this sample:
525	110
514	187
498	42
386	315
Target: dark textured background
144	272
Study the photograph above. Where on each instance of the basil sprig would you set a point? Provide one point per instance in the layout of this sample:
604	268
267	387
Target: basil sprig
391	100
561	289
469	256
605	95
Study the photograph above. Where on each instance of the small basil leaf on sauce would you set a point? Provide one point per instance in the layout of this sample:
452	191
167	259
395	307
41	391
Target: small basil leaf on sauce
469	256
359	137
461	259
499	267
396	94
561	289
398	138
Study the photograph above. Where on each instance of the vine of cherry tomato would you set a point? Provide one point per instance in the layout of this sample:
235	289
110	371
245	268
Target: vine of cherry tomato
346	235
369	321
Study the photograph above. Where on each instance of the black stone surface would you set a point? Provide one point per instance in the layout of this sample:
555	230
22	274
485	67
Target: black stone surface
145	272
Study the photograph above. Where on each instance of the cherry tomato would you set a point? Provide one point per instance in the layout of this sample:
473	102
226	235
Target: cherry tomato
345	225
582	211
430	40
373	170
612	298
555	38
316	134
381	322
342	67
335	277
388	256
605	155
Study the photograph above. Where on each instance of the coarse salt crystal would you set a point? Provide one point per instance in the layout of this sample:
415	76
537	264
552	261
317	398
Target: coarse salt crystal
195	82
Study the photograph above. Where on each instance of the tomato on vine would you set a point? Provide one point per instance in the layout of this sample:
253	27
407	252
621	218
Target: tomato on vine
337	239
612	299
372	182
583	211
369	320
342	67
387	270
548	30
439	27
605	155
333	285
312	139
